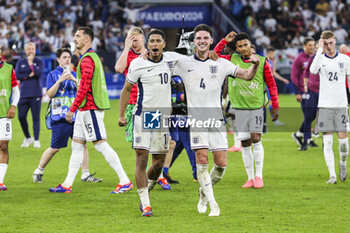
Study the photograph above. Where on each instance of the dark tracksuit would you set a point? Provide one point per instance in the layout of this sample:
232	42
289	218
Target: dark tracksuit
31	93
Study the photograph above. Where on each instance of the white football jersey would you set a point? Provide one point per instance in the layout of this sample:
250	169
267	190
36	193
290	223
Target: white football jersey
203	80
332	73
154	83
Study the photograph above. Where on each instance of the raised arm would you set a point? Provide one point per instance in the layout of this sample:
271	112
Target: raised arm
121	64
315	65
220	46
250	73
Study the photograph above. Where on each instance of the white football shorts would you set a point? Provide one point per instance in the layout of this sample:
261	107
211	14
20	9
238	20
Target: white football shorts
6	129
89	126
155	141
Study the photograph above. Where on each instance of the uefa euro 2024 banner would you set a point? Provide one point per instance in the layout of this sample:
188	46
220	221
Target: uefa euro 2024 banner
171	16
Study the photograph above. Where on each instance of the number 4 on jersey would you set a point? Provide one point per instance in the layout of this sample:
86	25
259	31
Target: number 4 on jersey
202	84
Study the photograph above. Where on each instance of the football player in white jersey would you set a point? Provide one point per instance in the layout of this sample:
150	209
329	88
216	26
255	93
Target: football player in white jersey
153	78
203	79
333	68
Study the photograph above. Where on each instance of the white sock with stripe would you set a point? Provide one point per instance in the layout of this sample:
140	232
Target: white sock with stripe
343	150
3	170
216	174
328	154
144	197
247	157
113	160
258	154
76	159
205	182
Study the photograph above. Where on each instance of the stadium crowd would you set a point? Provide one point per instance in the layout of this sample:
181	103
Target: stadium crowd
51	24
283	24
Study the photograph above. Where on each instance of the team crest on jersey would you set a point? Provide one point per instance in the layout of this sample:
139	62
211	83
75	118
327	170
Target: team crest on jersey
321	124
213	69
195	140
341	65
170	64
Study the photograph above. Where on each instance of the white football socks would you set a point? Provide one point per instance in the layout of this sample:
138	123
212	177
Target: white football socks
247	157
205	182
236	141
144	197
112	159
75	162
3	169
216	174
258	154
299	134
39	170
343	150
151	184
328	154
84	174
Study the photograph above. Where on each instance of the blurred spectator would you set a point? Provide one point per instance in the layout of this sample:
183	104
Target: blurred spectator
341	35
131	12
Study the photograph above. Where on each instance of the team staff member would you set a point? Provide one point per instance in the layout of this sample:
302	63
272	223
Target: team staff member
91	100
298	80
29	71
8	87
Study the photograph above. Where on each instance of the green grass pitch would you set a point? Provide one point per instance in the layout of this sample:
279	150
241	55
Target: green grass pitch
295	198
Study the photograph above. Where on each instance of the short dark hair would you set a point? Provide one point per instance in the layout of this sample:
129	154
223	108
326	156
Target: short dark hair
307	40
203	27
62	50
87	31
270	49
241	36
157	32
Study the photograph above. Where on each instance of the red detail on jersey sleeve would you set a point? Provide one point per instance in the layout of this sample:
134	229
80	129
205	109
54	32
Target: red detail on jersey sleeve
13	79
133	94
219	47
87	67
271	85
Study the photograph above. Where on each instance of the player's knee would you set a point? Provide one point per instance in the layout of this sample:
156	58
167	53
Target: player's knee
246	143
141	159
255	138
4	147
158	164
201	157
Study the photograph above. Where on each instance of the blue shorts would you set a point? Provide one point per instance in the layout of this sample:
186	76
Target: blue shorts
61	131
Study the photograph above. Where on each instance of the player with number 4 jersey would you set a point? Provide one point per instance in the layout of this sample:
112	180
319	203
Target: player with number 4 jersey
203	79
333	68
